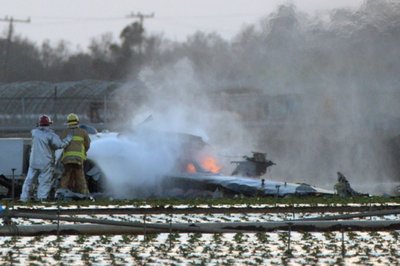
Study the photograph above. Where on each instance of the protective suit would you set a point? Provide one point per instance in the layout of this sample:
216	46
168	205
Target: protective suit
74	155
42	158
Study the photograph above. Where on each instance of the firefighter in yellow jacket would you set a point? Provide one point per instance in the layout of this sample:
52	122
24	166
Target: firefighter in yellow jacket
74	155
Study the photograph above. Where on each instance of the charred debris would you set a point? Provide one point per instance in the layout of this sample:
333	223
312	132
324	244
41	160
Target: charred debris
190	178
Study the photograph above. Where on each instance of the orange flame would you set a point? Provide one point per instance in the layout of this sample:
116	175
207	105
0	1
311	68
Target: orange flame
190	168
210	164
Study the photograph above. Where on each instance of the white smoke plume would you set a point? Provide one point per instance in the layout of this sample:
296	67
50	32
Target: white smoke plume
135	162
320	94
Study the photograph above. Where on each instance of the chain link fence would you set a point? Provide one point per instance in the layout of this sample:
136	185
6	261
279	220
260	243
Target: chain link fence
20	114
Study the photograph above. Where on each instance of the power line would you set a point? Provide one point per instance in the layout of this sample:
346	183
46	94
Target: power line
151	15
11	20
80	18
223	16
183	24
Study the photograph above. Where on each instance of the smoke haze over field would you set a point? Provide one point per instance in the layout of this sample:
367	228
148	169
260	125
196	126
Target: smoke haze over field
326	89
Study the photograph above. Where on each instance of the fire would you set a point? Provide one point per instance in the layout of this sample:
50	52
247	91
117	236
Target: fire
190	168
210	164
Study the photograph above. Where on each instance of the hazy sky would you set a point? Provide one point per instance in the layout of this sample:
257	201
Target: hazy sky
78	21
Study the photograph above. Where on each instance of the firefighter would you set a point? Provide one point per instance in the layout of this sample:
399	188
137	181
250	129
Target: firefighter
74	155
42	159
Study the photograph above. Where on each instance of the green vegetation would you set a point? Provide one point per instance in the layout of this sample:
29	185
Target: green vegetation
169	202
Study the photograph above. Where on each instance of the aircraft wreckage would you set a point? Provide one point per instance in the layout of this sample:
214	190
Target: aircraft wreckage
151	163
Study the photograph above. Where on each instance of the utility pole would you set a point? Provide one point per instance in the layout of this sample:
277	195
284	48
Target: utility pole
141	17
11	20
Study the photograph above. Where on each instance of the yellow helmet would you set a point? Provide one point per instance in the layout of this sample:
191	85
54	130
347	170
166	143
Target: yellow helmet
72	119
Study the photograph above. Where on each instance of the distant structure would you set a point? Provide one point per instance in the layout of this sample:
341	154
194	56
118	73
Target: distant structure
97	103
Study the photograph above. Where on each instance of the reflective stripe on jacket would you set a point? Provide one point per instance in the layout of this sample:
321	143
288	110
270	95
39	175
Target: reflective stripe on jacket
75	152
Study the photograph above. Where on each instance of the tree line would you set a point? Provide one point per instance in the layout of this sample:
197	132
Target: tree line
287	49
105	60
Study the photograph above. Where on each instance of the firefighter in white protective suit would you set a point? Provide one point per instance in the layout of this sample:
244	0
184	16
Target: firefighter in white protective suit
42	159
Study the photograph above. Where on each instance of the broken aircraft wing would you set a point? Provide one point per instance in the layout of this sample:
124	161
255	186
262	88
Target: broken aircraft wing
237	185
